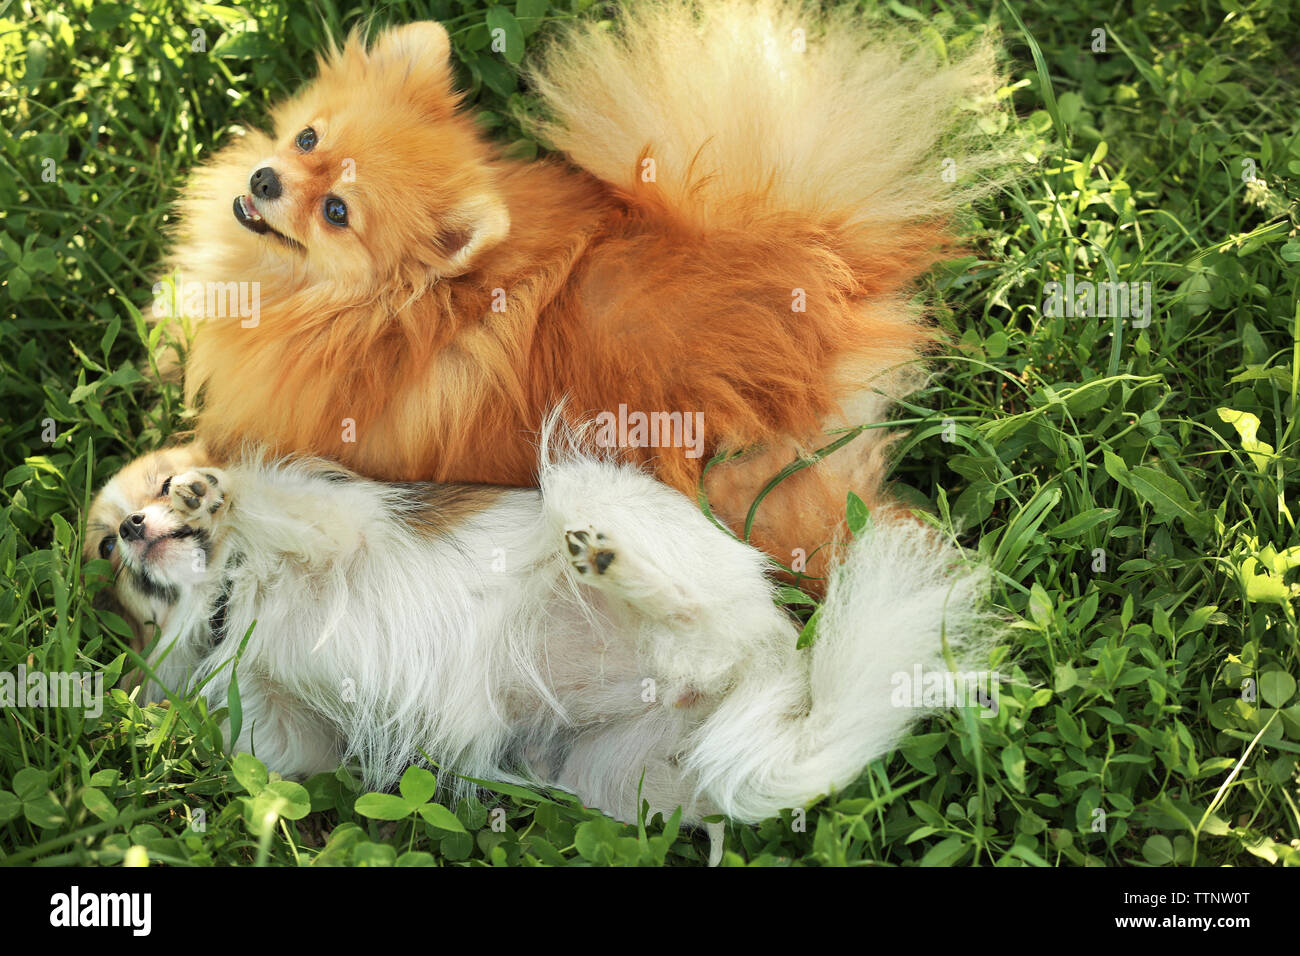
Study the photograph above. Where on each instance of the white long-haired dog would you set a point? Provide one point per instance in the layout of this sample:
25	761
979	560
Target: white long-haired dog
581	635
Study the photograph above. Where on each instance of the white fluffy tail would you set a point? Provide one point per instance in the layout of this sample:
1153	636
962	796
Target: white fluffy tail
776	105
899	596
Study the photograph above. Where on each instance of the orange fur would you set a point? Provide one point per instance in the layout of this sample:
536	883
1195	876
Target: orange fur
611	295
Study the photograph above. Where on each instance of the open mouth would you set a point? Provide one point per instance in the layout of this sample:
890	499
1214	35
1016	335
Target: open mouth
184	531
246	215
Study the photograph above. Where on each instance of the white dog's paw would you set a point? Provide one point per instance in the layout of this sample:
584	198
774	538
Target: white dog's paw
590	552
197	495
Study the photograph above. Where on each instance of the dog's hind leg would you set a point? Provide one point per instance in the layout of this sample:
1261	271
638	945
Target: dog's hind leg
694	599
617	766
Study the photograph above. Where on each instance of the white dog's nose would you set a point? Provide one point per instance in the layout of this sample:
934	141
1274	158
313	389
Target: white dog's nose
132	527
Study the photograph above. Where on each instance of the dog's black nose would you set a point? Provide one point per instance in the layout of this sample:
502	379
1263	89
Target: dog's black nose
265	184
132	527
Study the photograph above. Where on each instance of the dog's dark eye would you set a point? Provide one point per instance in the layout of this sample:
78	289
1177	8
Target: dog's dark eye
336	211
166	488
107	545
306	140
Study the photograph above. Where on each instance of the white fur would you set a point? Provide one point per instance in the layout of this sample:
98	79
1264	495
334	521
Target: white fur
531	671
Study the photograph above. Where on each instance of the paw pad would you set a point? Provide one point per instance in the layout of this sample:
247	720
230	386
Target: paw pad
590	551
195	493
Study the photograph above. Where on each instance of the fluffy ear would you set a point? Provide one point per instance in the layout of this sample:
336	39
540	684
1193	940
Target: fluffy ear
421	52
422	43
478	225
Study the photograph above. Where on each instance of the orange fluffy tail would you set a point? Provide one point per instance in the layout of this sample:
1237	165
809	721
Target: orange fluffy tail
733	106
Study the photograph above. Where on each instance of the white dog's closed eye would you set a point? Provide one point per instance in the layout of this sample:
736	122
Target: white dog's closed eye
598	635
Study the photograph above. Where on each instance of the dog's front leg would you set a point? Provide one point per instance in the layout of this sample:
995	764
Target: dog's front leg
286	736
200	497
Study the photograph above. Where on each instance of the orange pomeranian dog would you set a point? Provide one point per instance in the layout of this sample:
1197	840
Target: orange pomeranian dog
723	263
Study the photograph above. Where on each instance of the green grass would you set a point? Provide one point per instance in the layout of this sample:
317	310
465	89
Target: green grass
1140	540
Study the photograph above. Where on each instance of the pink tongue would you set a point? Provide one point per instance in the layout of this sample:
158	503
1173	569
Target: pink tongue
249	209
